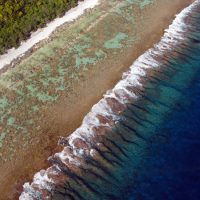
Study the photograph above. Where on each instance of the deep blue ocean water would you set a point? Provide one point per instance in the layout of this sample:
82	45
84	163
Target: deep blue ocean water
172	170
144	148
153	150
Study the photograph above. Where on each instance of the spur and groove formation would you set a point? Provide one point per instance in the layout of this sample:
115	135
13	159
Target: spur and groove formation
114	136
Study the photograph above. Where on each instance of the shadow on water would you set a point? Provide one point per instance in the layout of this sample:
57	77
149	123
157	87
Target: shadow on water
149	145
172	168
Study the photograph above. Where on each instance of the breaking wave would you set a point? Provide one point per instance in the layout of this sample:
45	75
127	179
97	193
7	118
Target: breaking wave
100	158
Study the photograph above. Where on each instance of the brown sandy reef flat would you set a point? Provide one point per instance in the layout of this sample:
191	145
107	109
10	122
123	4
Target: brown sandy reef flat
48	93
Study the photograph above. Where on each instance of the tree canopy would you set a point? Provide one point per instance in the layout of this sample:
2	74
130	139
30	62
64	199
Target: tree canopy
19	17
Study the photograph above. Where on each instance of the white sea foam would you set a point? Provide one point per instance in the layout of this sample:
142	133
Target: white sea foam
66	157
138	70
42	180
174	34
44	33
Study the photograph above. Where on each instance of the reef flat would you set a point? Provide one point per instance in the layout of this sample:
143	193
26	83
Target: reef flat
49	92
112	148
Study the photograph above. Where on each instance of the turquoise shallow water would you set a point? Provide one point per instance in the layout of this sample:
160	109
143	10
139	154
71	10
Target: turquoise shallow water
142	140
171	167
171	170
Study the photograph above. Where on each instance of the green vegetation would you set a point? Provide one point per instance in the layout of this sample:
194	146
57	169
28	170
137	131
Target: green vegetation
19	17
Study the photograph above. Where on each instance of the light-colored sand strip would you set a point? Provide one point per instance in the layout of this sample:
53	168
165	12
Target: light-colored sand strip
85	142
44	33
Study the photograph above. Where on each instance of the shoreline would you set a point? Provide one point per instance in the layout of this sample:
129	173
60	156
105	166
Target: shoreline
96	131
14	55
102	80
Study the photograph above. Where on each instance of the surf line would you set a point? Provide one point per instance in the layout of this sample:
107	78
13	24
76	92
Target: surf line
108	143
